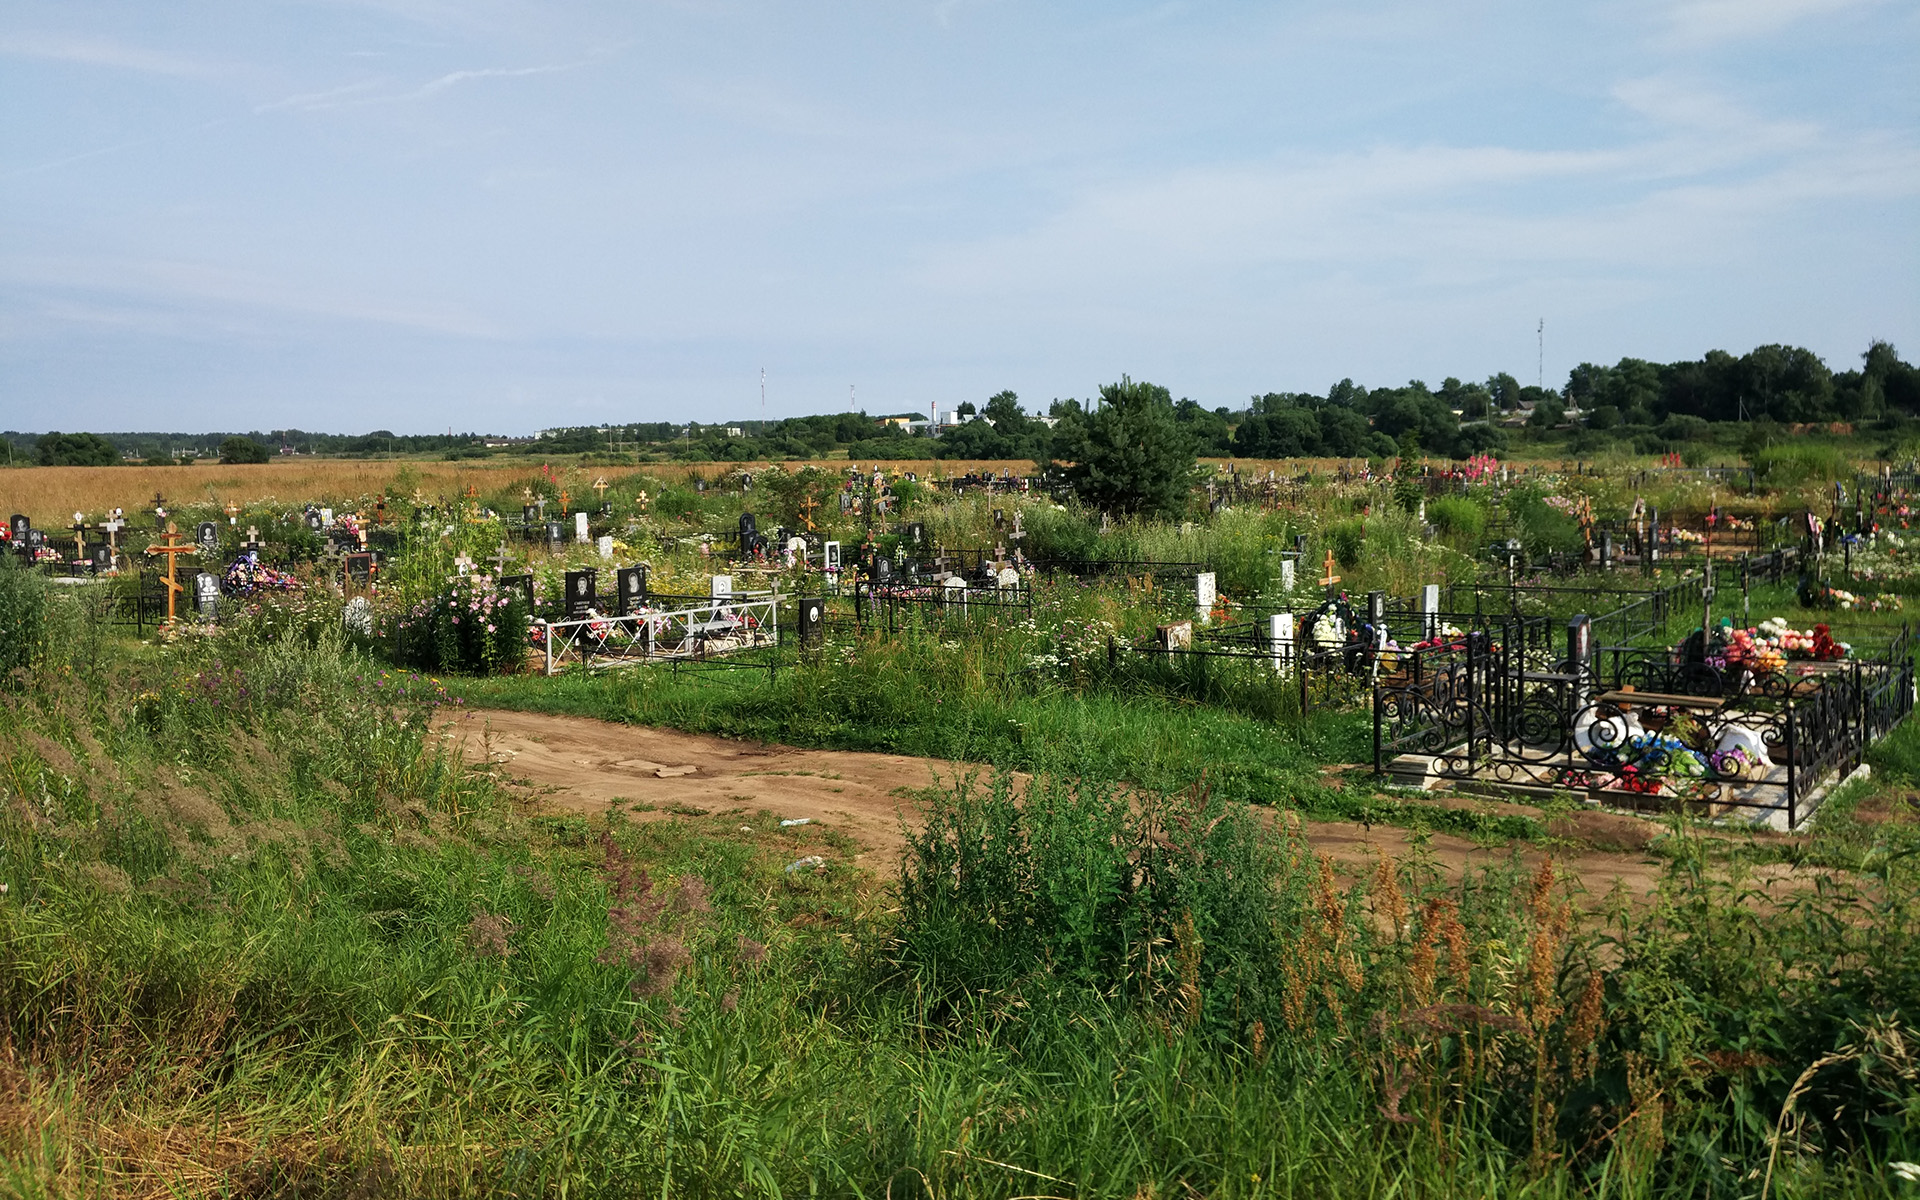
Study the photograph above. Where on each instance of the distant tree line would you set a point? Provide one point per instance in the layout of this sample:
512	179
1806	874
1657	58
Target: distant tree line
1650	405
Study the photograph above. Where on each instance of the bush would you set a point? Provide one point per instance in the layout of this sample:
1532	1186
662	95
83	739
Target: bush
1346	539
473	626
1457	517
23	617
1795	463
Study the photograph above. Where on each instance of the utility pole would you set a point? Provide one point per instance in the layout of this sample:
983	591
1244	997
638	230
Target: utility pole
1540	364
763	393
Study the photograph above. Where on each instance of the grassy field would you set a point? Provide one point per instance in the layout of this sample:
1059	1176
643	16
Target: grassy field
260	935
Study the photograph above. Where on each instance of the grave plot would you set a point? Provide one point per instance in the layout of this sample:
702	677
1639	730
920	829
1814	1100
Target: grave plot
1721	732
642	627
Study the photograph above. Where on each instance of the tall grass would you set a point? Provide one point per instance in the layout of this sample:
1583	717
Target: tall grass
264	934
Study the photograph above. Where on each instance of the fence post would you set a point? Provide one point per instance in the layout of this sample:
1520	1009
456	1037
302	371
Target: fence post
546	642
1376	729
1793	778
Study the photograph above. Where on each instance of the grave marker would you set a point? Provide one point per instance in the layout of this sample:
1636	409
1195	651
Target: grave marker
813	627
830	557
207	537
605	545
1286	575
1176	636
173	547
1430	610
630	585
1204	593
580	592
580	531
360	570
206	596
521	583
720	587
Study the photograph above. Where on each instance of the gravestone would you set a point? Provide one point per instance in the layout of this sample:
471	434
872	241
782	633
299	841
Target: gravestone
326	516
580	592
522	584
529	515
720	587
313	520
605	545
1007	578
206	595
556	533
830	557
1286	575
999	519
917	533
207	537
1177	635
1280	640
580	532
1204	594
630	584
1579	643
749	528
360	569
1376	608
796	551
812	623
1430	610
882	570
101	556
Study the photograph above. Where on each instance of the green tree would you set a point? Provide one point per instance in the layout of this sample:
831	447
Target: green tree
240	449
1134	456
76	450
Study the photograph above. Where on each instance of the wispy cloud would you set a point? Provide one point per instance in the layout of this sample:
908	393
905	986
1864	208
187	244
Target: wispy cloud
94	53
380	91
1704	22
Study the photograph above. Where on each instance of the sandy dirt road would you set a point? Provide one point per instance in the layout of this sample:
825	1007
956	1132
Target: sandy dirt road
581	765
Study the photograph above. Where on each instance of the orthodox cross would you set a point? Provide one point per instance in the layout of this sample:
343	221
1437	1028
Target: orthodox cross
807	505
79	535
500	560
640	501
564	499
380	509
1329	579
113	525
173	547
233	512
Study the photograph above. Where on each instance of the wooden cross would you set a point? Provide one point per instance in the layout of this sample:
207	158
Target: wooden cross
173	547
563	502
640	501
79	536
1329	579
473	493
601	485
233	512
253	537
807	505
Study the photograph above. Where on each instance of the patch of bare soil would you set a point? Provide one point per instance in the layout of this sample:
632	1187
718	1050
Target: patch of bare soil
581	765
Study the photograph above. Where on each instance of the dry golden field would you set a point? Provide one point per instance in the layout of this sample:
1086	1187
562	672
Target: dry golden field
51	495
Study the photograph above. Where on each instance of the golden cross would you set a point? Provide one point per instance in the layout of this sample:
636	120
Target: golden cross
172	548
1329	579
563	502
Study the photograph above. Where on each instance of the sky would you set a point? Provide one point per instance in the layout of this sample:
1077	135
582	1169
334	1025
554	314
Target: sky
416	215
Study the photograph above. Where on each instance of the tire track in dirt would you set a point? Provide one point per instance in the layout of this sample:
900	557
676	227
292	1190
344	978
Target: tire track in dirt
582	765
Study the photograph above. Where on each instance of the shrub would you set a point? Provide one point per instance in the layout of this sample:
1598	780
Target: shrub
473	625
1347	539
1795	463
1457	517
23	617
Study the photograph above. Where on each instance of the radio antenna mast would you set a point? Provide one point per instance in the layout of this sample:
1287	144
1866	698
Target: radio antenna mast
1540	365
763	392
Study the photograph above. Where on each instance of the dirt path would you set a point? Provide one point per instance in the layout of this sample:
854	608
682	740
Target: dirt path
582	765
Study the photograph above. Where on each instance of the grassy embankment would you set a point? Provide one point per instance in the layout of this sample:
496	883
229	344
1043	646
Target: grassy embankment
261	935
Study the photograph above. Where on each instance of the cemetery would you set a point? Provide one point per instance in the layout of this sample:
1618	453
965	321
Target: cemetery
1502	698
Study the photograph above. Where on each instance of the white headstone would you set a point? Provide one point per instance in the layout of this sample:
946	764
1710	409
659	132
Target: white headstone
1008	577
722	586
606	545
1286	575
326	517
1430	609
580	533
1280	639
830	556
1204	595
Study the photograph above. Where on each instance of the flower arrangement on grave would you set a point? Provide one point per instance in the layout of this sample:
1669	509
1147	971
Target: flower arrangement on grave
247	575
471	625
1684	537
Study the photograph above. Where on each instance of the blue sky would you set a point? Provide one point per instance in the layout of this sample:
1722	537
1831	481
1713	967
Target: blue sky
416	214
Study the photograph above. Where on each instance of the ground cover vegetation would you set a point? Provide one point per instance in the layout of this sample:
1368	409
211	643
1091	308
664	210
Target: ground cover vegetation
265	931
